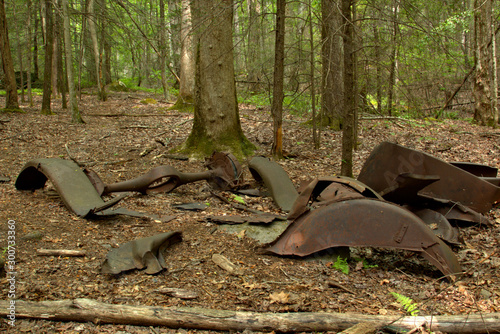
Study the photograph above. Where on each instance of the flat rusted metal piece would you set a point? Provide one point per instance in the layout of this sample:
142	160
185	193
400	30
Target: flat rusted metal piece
364	223
388	160
224	173
276	180
74	187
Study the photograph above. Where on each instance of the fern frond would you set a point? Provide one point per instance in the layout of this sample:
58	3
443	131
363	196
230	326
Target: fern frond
409	306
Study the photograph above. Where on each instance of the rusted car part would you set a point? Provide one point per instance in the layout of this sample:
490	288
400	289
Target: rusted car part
477	169
224	172
141	253
325	190
364	222
406	191
75	189
276	180
439	225
388	160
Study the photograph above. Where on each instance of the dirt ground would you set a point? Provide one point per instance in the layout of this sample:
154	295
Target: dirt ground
113	142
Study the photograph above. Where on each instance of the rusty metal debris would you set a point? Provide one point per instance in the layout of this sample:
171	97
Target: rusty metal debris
75	189
141	253
224	172
388	160
276	180
324	218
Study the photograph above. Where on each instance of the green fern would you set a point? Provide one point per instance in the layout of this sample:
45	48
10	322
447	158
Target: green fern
407	303
342	265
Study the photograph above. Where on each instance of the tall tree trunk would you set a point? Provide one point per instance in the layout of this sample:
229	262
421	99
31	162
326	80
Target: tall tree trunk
61	82
47	73
394	61
163	50
216	124
95	47
73	103
349	89
278	95
254	50
187	66
379	67
494	68
11	100
36	70
482	84
30	56
312	79
331	56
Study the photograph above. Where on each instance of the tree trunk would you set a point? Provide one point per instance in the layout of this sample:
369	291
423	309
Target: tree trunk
279	59
47	74
187	66
483	113
349	89
88	310
216	124
95	47
312	79
30	56
163	51
11	100
494	68
73	103
331	57
394	61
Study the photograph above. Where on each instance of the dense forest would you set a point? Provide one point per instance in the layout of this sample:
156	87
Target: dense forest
333	60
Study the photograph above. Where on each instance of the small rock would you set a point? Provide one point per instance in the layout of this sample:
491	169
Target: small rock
485	294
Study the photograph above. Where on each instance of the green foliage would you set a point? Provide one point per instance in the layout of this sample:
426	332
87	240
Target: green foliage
407	303
341	265
366	265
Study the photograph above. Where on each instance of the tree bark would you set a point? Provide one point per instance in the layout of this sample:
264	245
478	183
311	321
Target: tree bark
95	47
163	51
47	74
393	57
278	95
87	310
187	66
73	103
349	89
11	100
332	73
216	124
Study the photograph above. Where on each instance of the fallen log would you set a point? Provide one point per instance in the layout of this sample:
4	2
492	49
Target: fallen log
85	310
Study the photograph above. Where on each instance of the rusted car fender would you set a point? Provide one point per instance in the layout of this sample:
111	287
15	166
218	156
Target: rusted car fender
388	160
364	223
224	173
276	180
74	187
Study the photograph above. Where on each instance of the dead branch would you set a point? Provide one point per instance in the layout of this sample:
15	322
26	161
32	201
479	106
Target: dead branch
84	310
59	252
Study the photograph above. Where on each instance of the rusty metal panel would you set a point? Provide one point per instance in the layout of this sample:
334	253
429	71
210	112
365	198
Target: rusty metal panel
388	160
224	173
69	181
364	222
276	180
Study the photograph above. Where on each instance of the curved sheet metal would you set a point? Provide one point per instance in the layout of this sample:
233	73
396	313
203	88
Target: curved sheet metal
224	172
276	180
388	160
364	222
76	191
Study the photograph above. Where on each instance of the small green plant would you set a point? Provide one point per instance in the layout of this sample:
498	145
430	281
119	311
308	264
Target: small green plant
407	303
342	265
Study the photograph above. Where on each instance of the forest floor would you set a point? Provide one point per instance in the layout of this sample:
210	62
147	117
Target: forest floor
115	134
